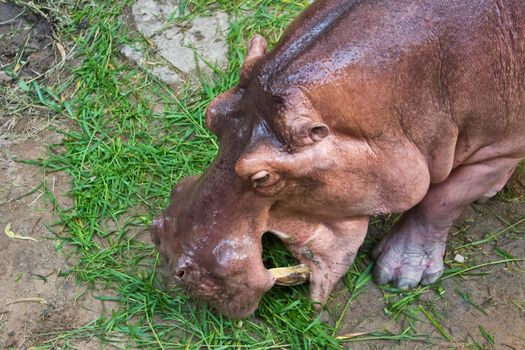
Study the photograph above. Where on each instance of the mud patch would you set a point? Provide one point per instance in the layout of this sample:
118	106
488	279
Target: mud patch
26	44
36	300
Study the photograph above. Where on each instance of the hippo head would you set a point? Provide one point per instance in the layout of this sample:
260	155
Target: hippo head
281	168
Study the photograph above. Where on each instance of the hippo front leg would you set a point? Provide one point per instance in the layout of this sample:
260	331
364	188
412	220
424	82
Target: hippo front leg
328	250
413	253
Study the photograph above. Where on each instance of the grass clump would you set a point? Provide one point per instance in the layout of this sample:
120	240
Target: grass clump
132	139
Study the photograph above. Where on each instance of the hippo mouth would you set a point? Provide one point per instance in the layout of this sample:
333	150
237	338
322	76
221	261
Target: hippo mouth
285	271
286	276
282	276
237	304
241	304
238	298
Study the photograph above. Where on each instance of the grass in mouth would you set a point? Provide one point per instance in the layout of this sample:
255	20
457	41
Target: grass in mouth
131	140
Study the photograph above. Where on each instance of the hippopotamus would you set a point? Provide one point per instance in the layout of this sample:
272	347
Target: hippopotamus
362	108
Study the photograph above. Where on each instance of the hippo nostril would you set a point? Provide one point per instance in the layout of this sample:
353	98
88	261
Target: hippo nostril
180	273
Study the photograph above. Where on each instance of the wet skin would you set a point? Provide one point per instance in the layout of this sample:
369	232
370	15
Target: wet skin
363	108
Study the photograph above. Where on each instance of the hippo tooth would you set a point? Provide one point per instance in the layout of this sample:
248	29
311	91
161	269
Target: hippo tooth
291	276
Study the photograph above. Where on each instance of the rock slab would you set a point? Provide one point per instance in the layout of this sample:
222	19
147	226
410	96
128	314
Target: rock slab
179	51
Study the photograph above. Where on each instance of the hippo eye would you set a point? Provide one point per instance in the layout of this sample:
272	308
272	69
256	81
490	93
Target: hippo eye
262	178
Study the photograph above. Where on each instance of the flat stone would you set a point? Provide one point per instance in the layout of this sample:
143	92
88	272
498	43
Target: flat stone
159	69
179	50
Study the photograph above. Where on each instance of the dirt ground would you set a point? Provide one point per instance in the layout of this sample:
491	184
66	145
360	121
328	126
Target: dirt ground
499	295
35	301
25	40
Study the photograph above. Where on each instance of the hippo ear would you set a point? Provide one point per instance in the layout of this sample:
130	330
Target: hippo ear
257	48
220	108
317	131
304	131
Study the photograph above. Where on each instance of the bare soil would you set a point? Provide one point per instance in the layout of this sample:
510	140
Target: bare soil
499	294
26	42
34	300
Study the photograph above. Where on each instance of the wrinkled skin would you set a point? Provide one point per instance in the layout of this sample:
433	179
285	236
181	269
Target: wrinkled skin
363	108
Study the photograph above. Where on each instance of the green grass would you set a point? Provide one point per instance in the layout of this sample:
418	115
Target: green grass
124	155
123	159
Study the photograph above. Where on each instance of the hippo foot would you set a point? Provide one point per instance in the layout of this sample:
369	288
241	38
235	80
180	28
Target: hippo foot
412	254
